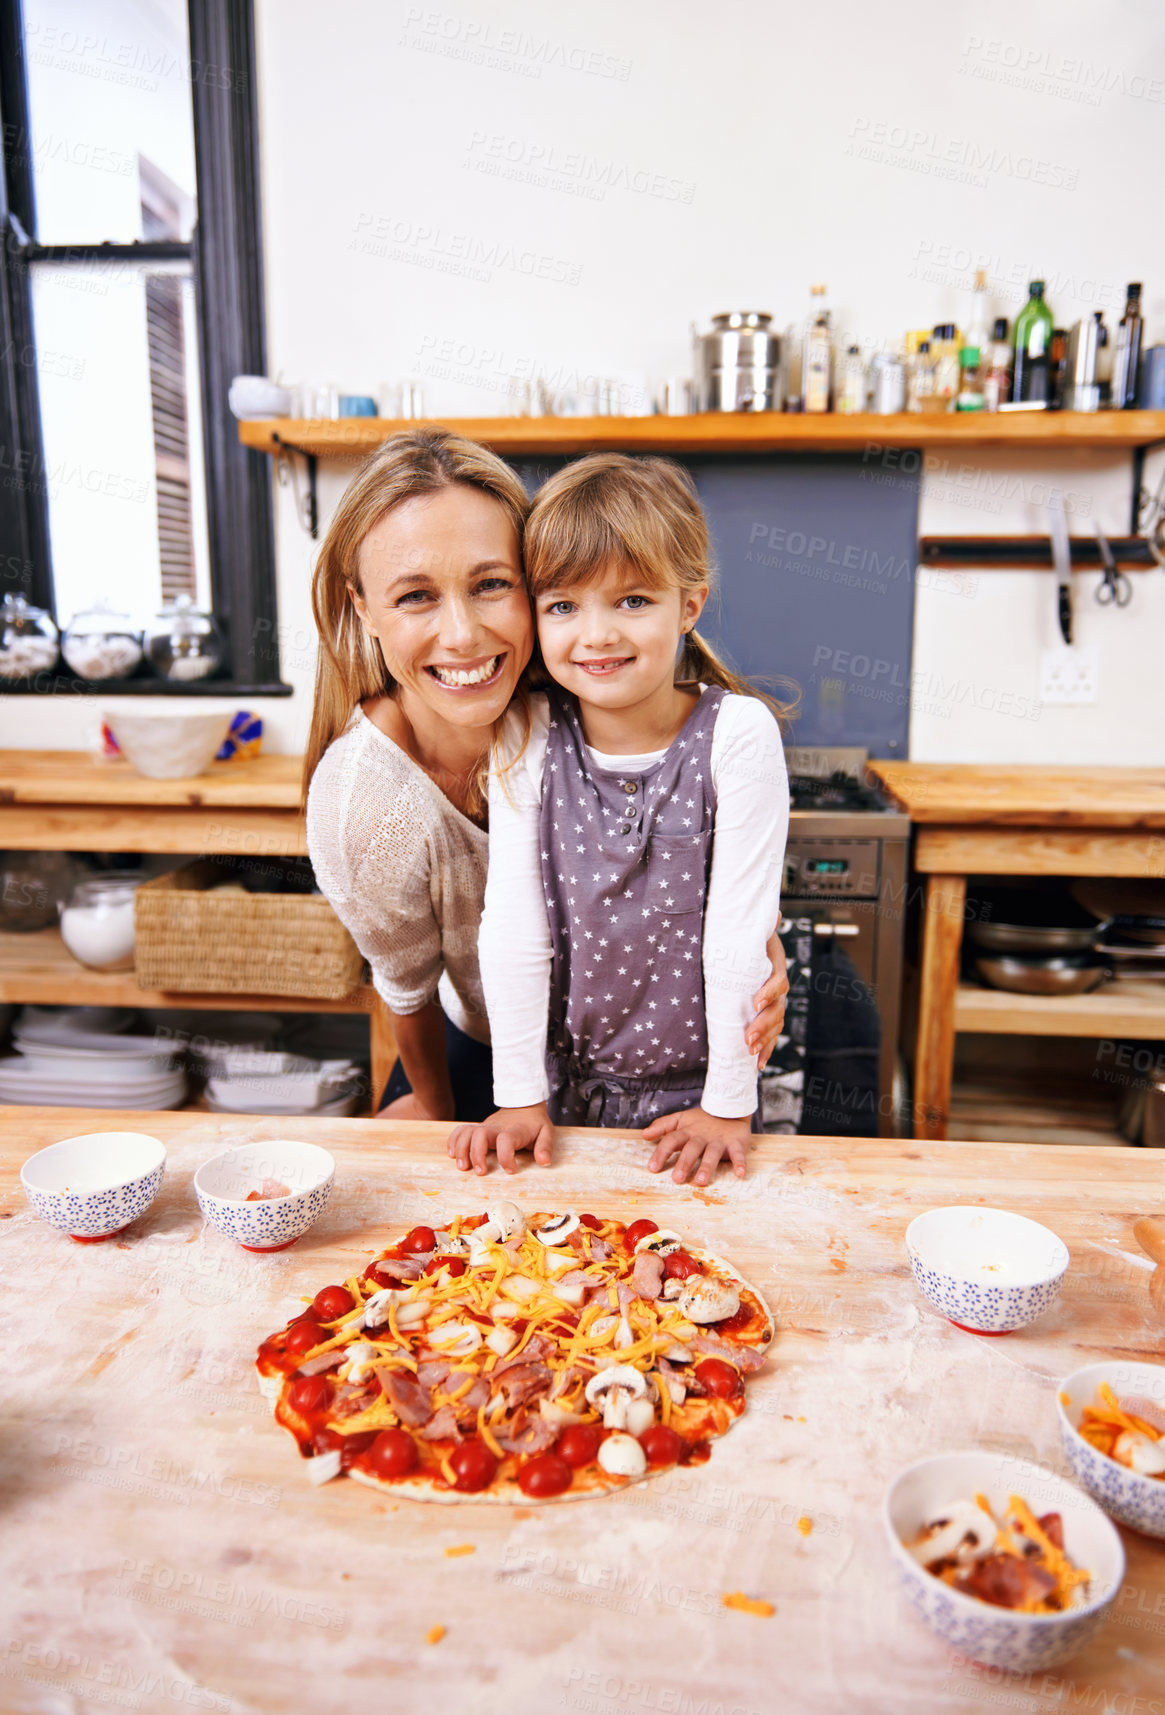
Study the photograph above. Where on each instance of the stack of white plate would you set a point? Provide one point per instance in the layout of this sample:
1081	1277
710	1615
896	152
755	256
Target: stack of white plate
255	1081
59	1064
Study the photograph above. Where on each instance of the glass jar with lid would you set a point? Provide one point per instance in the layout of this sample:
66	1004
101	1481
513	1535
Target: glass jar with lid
102	643
29	641
182	642
97	923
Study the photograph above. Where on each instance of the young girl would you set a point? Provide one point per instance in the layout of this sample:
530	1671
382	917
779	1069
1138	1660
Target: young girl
636	839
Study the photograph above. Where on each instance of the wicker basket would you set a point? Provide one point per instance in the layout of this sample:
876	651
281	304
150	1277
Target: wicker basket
188	940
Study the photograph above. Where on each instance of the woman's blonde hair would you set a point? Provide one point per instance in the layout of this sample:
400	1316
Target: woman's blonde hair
350	666
608	509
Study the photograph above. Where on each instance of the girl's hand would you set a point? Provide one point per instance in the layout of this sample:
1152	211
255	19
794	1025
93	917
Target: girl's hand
694	1136
507	1132
770	999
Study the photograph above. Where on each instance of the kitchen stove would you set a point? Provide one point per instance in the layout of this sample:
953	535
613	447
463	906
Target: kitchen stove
843	908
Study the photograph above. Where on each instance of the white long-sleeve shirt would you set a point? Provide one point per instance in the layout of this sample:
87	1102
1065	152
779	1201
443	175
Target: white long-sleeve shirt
743	903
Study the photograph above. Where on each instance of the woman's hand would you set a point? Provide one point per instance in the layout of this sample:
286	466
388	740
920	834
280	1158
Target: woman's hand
770	1000
408	1107
695	1136
508	1131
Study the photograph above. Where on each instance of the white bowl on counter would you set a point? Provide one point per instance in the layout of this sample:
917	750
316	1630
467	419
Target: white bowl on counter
223	1184
1135	1500
94	1185
169	744
987	1270
1002	1637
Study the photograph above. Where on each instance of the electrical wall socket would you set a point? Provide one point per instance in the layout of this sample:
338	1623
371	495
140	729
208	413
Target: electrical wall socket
1070	673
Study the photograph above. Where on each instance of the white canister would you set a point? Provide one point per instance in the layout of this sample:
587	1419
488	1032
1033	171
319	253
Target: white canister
97	923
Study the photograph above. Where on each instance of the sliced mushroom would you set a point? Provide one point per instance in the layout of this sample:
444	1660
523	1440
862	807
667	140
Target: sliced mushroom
611	1391
662	1243
963	1533
480	1240
622	1456
706	1300
553	1232
456	1339
360	1357
410	1312
672	1288
677	1354
1140	1453
508	1219
447	1245
603	1327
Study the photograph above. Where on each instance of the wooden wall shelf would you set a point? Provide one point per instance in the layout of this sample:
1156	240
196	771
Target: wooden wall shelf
711	432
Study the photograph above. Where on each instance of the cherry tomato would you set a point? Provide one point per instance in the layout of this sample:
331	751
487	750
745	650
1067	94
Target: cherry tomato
591	1221
473	1465
679	1265
309	1393
638	1230
663	1445
302	1336
718	1377
348	1446
420	1239
393	1454
455	1265
545	1475
332	1303
579	1444
739	1319
379	1276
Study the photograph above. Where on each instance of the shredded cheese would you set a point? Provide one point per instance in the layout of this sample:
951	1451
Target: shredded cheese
748	1604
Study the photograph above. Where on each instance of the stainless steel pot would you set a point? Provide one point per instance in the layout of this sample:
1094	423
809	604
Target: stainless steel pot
1041	976
738	363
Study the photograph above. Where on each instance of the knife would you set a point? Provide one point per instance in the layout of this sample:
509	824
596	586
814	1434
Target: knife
1062	557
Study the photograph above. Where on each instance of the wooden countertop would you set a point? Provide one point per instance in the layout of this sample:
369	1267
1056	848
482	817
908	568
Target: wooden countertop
75	777
1026	797
162	1548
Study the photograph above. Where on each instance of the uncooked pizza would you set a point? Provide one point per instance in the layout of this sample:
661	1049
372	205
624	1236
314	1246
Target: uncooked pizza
503	1357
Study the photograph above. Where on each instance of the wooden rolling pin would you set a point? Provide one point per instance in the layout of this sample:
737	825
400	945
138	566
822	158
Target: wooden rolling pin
1150	1235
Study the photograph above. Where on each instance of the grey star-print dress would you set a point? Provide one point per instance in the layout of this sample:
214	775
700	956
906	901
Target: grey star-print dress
625	864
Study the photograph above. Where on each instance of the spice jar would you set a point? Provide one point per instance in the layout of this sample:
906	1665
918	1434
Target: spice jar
102	643
28	639
97	923
183	643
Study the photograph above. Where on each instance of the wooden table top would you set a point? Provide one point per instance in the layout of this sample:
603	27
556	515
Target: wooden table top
75	777
1029	796
161	1546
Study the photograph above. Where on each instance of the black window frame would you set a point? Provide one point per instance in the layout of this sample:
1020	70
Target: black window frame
227	263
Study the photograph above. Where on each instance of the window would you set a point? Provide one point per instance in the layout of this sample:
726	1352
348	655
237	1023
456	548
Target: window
130	294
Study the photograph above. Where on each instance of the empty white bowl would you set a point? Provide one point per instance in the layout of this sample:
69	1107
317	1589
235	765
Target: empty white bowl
987	1270
93	1186
1133	1499
169	744
223	1183
1000	1637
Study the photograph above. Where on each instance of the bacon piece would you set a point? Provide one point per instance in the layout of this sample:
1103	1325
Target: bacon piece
441	1426
647	1276
408	1267
1052	1526
1006	1581
475	1396
431	1372
744	1357
538	1346
406	1396
528	1435
523	1383
600	1249
350	1400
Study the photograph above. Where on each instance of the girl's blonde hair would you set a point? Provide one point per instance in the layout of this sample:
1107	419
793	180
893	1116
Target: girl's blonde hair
643	514
350	666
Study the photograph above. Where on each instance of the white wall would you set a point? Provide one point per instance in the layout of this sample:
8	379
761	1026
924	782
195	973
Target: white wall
465	194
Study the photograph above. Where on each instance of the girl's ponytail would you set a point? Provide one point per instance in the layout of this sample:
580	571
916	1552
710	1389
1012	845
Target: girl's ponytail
700	665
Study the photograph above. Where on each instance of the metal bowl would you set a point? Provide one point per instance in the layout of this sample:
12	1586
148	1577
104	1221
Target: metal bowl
1041	976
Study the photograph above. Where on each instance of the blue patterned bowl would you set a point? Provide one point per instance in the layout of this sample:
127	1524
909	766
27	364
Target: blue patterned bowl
93	1186
987	1270
999	1637
1126	1495
271	1224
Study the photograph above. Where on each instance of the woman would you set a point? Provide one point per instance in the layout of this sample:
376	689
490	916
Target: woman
425	636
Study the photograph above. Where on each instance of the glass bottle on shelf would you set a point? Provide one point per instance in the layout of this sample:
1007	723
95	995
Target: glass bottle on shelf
1126	357
997	373
977	326
102	643
28	638
970	394
945	349
183	643
1103	359
852	393
816	364
920	379
1032	340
